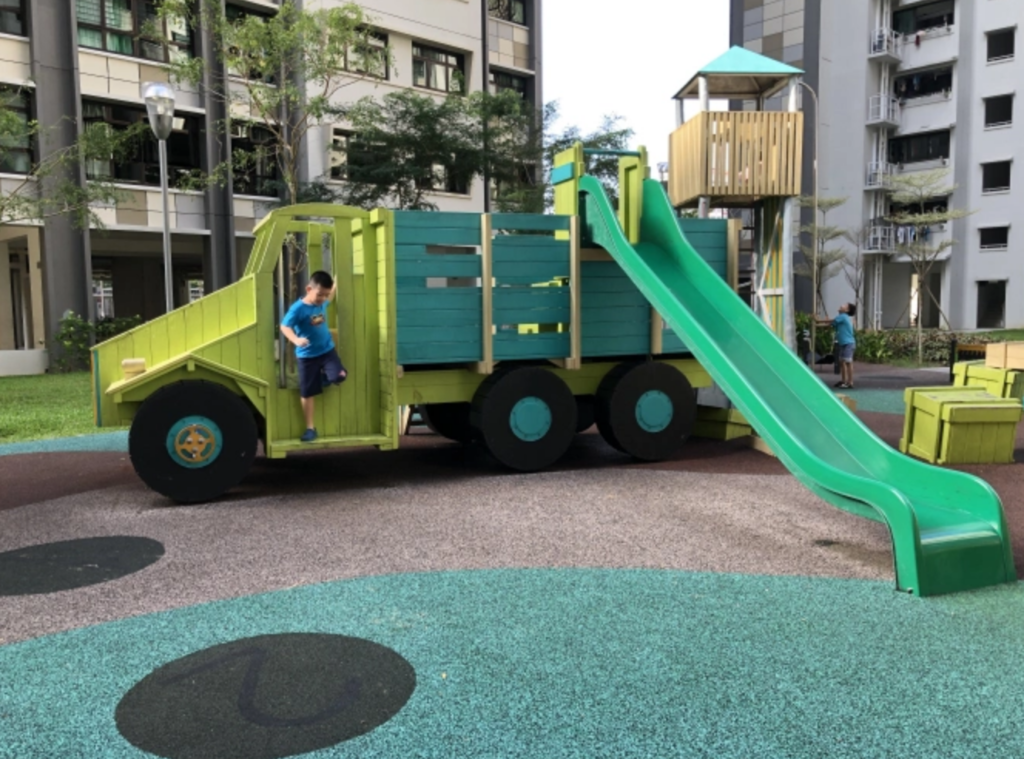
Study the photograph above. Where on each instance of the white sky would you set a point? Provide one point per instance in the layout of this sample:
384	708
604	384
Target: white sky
628	58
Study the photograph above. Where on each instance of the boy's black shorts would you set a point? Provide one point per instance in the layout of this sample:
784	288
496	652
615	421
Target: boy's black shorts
317	372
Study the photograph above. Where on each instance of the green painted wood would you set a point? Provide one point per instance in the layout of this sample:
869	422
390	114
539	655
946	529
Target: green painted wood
621	329
447	266
671	343
529	222
601	314
435	220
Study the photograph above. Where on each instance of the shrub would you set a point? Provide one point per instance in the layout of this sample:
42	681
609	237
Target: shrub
76	335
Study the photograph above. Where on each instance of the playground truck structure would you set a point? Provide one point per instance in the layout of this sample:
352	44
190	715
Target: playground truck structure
511	330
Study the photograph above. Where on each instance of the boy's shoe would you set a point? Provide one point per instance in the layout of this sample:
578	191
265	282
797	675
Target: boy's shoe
840	384
308	436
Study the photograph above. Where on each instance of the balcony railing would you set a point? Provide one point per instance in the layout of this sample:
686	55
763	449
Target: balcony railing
886	46
881	238
884	109
879	173
736	156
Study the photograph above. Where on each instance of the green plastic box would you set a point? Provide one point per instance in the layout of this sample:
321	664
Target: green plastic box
956	425
1002	383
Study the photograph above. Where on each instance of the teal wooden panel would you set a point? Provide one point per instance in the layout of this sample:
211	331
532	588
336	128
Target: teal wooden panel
630	313
442	266
564	173
411	353
529	222
436	236
591	299
530	297
599	345
672	344
511	345
532	315
532	256
435	317
530	271
597	287
618	329
436	219
425	334
423	298
410	252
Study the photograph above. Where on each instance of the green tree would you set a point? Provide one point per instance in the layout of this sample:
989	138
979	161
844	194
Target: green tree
50	186
827	260
915	198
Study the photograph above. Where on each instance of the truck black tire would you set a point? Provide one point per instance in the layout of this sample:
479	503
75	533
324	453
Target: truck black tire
450	420
586	415
526	416
646	410
193	441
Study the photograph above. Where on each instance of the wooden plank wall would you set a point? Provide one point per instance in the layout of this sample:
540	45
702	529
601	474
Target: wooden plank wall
747	154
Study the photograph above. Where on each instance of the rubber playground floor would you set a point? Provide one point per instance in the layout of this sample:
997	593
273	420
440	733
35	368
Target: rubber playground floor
424	603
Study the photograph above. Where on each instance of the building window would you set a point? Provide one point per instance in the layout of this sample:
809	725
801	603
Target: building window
16	148
143	167
370	58
442	179
1001	45
991	305
12	17
119	26
999	111
508	10
501	82
196	289
257	174
995	238
919	147
439	70
923	18
995	177
924	84
103	294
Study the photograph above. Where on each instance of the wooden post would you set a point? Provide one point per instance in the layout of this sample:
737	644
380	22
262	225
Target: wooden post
657	333
486	366
575	299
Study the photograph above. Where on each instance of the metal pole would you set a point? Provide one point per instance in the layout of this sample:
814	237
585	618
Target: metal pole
814	242
168	266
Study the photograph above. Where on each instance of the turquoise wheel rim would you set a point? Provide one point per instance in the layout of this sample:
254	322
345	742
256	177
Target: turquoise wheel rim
654	411
530	419
194	442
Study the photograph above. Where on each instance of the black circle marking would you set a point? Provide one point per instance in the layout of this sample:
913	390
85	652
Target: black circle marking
266	697
69	564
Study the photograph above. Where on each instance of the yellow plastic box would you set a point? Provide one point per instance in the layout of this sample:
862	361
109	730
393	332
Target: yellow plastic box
955	425
720	423
1004	355
1002	383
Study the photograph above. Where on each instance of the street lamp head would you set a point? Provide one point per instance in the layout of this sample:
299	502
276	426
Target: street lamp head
159	98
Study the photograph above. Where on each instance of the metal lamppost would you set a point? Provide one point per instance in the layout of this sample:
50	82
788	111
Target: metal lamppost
814	243
159	99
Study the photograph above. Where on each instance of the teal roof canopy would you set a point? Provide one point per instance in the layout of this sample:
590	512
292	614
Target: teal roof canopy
741	74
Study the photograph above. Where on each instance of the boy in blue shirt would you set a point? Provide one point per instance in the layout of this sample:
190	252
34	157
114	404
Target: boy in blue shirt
305	326
843	325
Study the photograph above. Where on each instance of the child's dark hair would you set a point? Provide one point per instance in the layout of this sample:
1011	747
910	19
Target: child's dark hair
321	279
851	309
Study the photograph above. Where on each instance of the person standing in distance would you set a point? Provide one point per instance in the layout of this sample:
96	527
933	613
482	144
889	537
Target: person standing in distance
847	343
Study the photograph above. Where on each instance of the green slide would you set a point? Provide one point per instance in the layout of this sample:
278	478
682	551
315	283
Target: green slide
948	529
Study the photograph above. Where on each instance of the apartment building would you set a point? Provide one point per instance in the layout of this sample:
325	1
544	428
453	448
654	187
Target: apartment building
85	58
908	87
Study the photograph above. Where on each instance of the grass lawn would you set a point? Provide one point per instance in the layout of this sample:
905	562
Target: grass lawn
49	405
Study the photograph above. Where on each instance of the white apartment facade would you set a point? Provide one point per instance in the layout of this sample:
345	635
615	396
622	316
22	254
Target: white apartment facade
908	87
84	57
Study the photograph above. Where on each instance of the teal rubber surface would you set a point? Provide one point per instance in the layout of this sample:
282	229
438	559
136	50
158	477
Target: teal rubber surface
949	531
103	441
588	663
